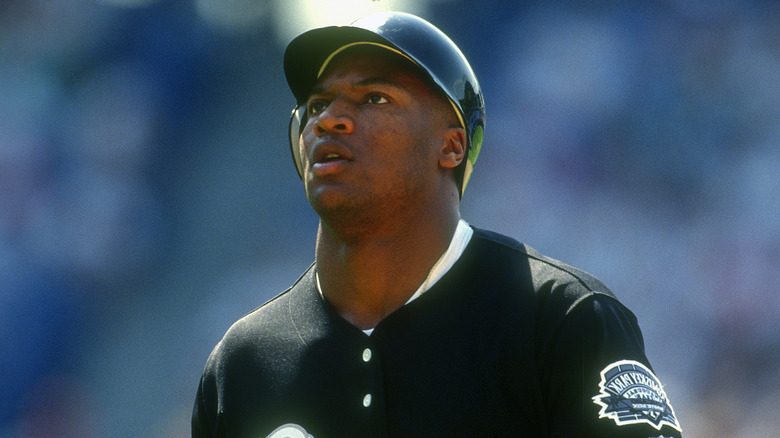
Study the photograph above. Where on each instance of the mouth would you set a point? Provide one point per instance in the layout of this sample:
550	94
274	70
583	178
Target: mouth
330	158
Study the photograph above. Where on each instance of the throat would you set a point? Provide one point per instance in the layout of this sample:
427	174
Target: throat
367	278
365	300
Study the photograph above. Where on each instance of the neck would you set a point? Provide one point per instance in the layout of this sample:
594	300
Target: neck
369	275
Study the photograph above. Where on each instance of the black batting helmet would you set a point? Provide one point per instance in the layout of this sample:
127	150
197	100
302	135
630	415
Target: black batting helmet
402	33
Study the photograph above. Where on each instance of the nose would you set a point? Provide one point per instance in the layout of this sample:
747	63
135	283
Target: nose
336	118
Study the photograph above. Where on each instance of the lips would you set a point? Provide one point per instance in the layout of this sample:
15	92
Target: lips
328	157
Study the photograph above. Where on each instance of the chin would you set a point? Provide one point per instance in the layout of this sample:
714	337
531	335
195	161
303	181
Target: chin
344	210
325	200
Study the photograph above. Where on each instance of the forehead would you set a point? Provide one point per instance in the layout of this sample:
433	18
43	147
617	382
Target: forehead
369	60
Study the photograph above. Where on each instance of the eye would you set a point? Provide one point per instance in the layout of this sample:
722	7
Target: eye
317	106
377	99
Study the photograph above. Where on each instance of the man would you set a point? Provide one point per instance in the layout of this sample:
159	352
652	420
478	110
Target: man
411	323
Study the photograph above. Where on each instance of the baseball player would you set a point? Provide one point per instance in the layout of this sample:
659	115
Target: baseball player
410	322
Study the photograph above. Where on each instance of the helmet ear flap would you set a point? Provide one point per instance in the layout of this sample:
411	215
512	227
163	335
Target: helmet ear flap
471	157
297	122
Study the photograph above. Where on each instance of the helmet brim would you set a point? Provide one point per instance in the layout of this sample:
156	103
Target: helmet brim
307	53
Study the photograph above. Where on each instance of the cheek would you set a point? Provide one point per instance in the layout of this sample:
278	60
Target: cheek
409	155
399	132
306	140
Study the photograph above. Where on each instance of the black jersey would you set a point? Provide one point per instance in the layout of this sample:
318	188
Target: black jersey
508	343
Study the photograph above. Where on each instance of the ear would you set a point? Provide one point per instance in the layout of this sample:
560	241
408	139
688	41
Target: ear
453	149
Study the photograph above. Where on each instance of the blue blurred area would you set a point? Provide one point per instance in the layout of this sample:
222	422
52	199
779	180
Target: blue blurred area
148	200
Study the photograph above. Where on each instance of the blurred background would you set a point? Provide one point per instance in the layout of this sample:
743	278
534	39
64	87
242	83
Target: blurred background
148	199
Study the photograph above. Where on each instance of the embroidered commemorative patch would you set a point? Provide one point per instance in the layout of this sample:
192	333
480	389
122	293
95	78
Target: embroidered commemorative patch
632	394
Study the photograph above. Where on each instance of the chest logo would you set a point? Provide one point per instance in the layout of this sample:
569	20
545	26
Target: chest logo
289	430
632	394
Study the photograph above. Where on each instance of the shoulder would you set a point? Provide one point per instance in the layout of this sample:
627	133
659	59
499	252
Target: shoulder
563	298
269	327
547	275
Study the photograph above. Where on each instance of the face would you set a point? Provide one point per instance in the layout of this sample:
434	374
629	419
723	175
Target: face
372	141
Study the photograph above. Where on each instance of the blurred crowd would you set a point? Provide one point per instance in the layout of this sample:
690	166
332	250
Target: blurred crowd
148	200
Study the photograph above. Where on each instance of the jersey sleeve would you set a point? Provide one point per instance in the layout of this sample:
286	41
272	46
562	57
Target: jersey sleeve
597	378
200	428
205	410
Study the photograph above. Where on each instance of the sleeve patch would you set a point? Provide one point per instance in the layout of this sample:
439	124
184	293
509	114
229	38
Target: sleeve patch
632	394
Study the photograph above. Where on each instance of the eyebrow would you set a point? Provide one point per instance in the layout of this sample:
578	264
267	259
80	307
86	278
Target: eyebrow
361	83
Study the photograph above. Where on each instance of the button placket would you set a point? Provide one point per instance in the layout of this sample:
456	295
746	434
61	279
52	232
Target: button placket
366	357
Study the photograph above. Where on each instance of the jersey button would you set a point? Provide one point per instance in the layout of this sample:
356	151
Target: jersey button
366	355
367	400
